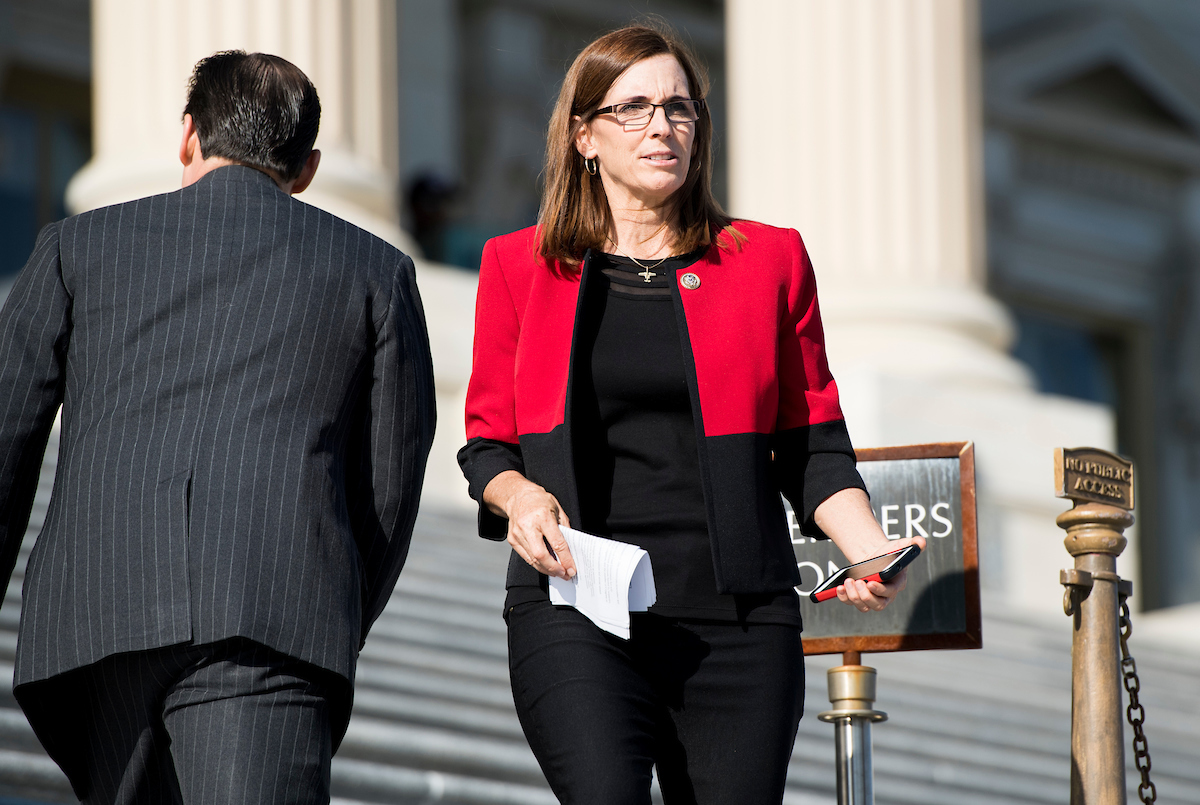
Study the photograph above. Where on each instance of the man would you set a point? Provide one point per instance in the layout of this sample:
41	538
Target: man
247	408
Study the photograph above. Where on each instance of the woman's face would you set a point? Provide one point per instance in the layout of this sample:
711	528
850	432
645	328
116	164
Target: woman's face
642	165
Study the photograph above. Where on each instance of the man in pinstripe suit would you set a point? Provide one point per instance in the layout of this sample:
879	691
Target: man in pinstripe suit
247	405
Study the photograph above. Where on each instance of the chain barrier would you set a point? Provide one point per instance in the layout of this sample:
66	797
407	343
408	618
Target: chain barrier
1136	714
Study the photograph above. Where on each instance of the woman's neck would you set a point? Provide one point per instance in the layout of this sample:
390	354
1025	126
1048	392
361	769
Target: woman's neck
644	233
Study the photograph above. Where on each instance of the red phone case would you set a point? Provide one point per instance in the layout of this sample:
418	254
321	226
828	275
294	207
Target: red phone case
825	595
831	592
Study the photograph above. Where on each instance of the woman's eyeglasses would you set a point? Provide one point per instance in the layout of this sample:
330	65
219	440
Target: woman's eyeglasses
636	114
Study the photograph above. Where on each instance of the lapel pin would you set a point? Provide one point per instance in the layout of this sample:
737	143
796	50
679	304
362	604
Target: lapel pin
690	281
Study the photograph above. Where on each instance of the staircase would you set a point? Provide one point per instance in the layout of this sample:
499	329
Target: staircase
434	721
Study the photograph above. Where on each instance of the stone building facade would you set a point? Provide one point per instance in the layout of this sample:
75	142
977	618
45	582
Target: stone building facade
1062	311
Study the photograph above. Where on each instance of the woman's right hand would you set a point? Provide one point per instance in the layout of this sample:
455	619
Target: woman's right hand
534	516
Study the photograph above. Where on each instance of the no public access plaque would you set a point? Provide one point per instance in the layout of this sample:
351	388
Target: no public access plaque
923	490
1091	474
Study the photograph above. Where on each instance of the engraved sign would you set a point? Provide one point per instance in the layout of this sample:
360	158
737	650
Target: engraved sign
918	490
1091	474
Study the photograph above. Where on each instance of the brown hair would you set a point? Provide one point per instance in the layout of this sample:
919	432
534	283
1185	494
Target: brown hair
575	214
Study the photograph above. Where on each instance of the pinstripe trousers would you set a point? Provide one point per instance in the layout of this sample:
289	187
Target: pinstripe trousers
227	722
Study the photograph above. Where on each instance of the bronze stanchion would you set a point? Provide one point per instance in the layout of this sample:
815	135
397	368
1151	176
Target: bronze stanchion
852	694
1101	485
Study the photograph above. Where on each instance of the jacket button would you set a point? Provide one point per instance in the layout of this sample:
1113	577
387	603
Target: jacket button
690	281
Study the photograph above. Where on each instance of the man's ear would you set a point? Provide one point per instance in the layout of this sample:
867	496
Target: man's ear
307	172
189	128
190	153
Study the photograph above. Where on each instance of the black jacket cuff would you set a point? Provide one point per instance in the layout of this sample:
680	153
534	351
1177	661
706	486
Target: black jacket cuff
826	475
815	462
482	460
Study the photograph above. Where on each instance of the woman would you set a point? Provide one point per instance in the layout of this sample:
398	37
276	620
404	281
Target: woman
648	370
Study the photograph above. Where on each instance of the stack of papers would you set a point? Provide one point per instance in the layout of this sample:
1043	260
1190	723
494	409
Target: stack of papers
611	580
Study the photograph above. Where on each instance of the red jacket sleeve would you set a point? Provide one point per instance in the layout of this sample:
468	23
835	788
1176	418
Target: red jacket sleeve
492	445
814	456
807	392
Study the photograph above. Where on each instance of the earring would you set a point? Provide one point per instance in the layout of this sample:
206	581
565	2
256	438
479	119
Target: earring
589	165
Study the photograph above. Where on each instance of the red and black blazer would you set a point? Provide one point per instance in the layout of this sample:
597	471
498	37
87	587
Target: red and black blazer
766	407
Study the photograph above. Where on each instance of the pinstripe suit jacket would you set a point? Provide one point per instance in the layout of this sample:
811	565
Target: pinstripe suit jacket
247	407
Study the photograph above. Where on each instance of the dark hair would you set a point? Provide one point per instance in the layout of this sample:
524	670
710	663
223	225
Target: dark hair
255	109
575	214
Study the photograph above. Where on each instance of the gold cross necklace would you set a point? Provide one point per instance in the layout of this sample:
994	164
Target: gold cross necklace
646	273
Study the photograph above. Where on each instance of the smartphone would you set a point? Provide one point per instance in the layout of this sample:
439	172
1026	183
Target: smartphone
879	568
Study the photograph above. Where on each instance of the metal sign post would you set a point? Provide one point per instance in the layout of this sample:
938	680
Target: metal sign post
852	694
1101	485
926	490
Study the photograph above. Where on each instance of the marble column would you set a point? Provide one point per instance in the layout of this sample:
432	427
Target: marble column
144	51
143	54
859	123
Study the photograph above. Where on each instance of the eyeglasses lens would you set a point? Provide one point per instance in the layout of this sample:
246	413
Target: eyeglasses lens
637	114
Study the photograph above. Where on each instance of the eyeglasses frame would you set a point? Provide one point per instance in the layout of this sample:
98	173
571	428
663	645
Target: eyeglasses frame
612	110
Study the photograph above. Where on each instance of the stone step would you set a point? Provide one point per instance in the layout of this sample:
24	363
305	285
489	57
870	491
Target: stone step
434	720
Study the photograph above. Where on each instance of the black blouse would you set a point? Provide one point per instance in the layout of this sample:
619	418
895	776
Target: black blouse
637	464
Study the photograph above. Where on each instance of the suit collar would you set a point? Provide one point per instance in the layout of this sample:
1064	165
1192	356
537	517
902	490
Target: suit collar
241	174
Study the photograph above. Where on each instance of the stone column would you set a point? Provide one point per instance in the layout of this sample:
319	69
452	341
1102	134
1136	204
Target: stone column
143	54
859	123
144	51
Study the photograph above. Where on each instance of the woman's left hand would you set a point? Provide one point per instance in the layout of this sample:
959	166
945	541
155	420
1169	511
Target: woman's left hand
847	519
868	596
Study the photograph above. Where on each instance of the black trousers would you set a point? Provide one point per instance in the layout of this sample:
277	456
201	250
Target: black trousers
228	722
715	706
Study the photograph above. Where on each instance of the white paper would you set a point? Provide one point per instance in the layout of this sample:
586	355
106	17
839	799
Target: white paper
611	580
